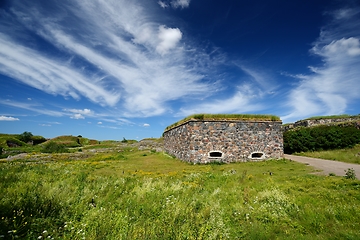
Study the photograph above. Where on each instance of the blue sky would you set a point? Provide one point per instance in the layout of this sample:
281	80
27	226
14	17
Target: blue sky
119	68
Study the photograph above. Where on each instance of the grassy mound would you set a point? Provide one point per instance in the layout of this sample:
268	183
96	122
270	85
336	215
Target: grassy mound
72	141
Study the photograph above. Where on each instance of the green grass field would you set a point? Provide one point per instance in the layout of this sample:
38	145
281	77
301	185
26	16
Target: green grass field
132	194
349	155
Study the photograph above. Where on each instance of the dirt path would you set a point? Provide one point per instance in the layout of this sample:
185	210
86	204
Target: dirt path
327	166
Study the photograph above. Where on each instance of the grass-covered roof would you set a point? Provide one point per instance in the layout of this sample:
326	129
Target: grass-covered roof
333	117
225	117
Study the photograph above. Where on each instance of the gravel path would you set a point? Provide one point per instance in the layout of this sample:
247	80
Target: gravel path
327	166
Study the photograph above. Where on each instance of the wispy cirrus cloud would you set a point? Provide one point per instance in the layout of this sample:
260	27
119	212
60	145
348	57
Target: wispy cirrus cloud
245	99
330	88
110	57
33	107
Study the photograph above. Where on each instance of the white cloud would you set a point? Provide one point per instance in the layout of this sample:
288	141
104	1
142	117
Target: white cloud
146	125
114	56
330	89
84	111
174	4
79	113
180	3
163	4
169	37
5	118
99	123
339	49
77	116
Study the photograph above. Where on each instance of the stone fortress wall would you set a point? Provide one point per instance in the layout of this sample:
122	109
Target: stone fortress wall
353	120
203	141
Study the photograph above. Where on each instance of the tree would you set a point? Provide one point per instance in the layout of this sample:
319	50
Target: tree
25	137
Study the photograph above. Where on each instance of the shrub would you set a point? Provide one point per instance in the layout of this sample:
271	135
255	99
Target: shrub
320	138
25	137
53	147
350	174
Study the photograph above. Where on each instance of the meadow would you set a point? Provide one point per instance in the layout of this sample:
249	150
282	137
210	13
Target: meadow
349	155
127	193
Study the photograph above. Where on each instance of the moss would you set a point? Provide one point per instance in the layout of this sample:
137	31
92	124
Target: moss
229	117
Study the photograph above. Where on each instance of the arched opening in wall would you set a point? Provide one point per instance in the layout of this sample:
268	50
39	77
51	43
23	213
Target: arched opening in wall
215	154
257	155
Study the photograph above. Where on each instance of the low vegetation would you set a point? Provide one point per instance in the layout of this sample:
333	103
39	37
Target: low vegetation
318	138
247	117
85	189
126	193
349	155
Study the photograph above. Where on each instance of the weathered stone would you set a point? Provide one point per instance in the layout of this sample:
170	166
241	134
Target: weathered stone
228	141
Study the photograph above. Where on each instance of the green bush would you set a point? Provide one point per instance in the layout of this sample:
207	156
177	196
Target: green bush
350	174
25	137
320	138
53	147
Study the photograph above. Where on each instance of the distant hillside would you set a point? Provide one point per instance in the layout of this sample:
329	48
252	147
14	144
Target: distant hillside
19	140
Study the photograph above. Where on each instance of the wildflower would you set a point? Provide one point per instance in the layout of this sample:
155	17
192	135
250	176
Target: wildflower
39	237
1	236
44	231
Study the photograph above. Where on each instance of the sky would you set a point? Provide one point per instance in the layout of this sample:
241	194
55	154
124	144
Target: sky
115	69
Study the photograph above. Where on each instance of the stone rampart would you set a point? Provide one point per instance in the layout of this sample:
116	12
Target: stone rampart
201	141
323	121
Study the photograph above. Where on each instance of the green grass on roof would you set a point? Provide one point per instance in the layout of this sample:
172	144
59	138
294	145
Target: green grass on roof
333	117
204	116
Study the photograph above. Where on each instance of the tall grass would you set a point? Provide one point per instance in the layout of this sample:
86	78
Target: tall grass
146	195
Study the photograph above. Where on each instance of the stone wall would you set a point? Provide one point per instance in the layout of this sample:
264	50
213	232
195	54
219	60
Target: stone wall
324	121
201	141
